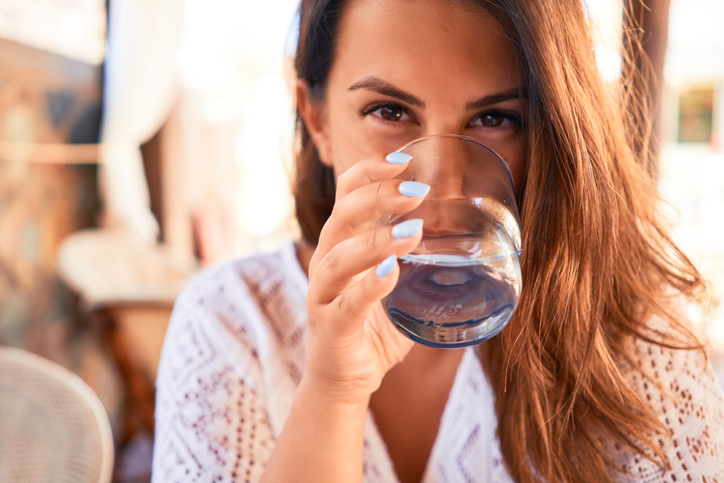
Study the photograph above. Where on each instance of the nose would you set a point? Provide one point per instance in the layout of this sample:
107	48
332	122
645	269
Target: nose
442	165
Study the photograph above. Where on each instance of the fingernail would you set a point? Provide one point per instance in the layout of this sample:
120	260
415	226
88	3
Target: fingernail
387	265
407	228
414	189
398	158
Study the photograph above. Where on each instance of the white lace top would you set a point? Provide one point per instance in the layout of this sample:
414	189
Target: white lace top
234	355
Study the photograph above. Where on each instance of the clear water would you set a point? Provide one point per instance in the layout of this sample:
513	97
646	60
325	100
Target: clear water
454	300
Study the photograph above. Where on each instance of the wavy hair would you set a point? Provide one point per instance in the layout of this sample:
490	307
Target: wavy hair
598	260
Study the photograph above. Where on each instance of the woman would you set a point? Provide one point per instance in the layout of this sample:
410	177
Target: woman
596	378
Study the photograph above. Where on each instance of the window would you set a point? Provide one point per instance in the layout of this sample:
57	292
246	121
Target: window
696	112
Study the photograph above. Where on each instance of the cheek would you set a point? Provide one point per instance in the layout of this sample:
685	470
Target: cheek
353	140
345	148
518	163
515	154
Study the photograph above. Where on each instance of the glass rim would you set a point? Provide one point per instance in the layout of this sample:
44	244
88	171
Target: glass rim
463	138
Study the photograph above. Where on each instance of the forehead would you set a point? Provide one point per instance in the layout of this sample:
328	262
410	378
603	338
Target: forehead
431	41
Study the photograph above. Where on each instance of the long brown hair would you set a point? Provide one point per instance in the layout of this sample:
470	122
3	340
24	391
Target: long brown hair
598	262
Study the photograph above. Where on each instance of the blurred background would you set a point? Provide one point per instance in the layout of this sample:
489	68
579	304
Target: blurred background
141	141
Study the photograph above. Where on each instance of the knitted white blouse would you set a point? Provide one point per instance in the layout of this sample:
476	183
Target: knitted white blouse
234	355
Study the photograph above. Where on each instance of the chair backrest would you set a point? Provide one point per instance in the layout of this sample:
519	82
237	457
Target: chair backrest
52	425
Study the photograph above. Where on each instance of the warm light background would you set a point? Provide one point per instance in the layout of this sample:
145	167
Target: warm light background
227	162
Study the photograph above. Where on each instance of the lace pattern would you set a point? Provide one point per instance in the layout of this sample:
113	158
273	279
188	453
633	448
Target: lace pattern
234	355
683	391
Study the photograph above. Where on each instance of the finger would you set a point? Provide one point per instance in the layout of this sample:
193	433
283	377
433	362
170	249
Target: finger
348	260
360	299
371	170
355	211
370	202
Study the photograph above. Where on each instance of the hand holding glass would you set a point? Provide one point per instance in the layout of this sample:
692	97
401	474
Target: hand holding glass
462	283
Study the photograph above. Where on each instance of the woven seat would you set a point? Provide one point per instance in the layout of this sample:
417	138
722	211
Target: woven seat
53	428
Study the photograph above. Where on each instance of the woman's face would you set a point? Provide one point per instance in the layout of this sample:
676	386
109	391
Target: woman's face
405	69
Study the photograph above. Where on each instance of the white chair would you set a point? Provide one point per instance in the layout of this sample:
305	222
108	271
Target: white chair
53	428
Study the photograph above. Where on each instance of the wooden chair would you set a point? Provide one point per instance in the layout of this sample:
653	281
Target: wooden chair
128	289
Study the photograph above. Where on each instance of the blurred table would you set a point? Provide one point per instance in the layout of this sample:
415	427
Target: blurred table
127	288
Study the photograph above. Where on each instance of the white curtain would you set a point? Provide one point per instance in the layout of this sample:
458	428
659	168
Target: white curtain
139	92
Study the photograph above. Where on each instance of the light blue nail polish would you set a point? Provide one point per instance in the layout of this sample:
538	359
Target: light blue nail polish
414	189
387	265
407	228
398	158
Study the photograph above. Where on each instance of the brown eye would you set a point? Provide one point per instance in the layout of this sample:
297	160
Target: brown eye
496	118
391	113
491	120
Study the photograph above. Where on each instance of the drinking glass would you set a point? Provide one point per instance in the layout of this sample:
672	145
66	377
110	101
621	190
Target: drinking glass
461	285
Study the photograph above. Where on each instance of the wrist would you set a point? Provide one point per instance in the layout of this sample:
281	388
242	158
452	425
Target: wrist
322	439
352	403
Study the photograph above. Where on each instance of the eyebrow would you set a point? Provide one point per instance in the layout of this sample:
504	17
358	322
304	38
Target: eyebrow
386	89
485	101
379	86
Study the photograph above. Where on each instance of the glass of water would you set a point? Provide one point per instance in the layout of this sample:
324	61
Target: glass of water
461	285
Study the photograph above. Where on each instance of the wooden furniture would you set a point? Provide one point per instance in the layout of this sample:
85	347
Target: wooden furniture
127	288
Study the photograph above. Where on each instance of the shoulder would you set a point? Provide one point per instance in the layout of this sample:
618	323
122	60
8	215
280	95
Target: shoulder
681	387
248	289
679	377
226	379
258	277
245	311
